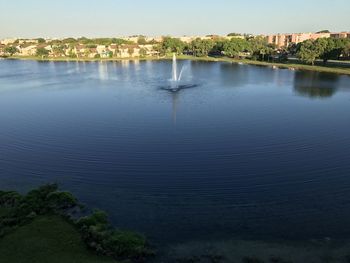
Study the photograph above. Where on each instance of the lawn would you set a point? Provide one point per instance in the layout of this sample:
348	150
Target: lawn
47	239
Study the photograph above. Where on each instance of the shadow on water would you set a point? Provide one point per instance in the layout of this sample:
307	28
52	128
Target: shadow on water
175	93
178	88
315	84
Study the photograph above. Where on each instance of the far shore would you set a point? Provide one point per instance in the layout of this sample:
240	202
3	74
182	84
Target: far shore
286	65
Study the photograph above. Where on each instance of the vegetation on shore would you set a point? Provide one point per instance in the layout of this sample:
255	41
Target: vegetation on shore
246	49
45	239
20	215
319	67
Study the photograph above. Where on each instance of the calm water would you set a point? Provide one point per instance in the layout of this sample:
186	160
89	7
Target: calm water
253	152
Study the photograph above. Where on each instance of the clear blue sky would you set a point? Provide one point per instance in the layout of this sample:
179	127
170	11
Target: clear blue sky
60	18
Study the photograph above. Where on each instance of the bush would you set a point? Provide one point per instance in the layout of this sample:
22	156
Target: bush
61	200
99	235
95	229
44	200
9	199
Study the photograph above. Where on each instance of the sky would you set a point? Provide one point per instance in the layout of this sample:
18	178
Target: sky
112	18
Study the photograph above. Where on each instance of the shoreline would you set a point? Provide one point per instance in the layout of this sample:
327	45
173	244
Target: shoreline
291	66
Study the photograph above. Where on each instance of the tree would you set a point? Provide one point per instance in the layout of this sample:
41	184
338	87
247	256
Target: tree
172	45
234	47
234	34
42	52
11	50
141	40
346	50
323	31
327	48
69	40
201	48
131	51
259	47
41	40
143	52
59	50
309	51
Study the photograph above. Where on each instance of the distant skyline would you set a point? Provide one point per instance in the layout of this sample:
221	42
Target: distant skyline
113	18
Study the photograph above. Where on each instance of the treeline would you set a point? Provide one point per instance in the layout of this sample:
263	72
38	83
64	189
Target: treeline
257	48
238	46
323	48
254	47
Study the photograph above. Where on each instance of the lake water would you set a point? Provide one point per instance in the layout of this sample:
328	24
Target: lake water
250	152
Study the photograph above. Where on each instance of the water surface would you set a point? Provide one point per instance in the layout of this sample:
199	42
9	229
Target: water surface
250	152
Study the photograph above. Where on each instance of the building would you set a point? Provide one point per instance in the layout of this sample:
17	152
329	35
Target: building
27	50
341	35
8	41
284	40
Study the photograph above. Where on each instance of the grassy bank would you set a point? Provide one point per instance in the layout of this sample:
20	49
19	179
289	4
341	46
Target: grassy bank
47	239
338	69
48	225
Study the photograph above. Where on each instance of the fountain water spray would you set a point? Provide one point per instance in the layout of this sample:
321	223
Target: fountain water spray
176	78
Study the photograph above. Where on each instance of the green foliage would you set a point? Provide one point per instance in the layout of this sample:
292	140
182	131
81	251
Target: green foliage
41	40
310	50
171	45
141	40
234	34
60	200
91	46
322	48
260	48
97	56
323	31
201	48
95	229
235	46
42	52
9	199
59	49
11	50
99	235
69	40
143	52
46	239
44	200
346	50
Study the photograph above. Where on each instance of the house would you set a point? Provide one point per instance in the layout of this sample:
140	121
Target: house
92	53
79	50
27	50
149	50
2	47
128	51
8	41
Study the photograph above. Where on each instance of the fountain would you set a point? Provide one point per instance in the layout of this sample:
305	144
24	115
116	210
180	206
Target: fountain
176	83
175	80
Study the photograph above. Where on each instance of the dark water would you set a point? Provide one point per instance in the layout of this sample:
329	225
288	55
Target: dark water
249	152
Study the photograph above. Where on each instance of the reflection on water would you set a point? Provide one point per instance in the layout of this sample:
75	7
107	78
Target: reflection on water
315	84
103	70
251	162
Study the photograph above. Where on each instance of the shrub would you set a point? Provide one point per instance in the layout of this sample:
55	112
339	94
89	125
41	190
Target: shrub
61	200
99	235
9	199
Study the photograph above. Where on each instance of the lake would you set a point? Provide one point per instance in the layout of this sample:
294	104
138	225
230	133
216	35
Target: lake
250	152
